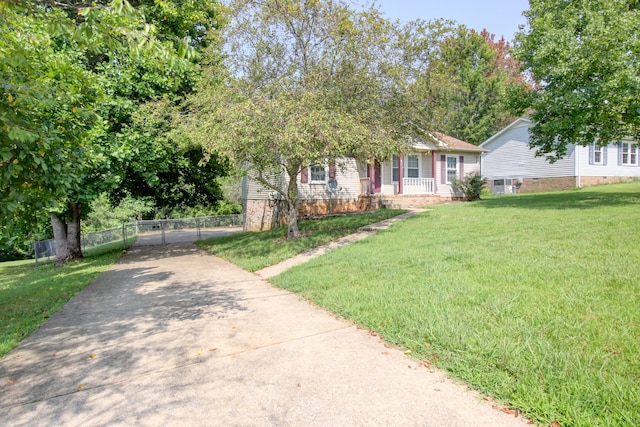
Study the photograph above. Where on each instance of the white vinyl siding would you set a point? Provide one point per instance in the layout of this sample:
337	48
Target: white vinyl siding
509	156
252	189
348	174
471	165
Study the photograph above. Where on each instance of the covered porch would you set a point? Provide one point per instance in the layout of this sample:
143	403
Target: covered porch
402	174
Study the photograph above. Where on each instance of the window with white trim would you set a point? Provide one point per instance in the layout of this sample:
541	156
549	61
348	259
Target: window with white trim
452	169
597	154
413	167
318	174
629	154
394	168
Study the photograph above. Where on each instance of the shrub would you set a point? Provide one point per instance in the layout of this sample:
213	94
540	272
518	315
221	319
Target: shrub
470	186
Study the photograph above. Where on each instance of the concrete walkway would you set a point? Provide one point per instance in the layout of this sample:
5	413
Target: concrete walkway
173	336
363	233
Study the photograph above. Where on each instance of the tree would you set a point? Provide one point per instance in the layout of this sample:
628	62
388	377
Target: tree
304	87
462	85
73	75
584	57
47	112
162	164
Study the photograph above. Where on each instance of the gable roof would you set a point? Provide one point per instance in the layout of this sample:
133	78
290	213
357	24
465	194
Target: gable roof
439	141
522	121
451	143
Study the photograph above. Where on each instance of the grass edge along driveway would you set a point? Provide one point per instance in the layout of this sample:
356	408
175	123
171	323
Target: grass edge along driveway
532	299
255	250
29	295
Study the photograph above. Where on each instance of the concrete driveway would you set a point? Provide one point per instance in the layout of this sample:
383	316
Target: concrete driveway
171	336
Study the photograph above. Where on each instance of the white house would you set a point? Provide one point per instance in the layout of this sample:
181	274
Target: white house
416	178
511	165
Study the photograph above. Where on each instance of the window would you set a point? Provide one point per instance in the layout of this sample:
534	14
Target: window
413	167
597	155
394	168
629	154
498	182
452	169
318	173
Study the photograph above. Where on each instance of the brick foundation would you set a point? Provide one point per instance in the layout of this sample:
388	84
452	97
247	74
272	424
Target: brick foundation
327	207
260	214
587	181
534	185
404	201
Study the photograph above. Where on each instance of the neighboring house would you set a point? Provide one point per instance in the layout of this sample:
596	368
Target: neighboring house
511	166
422	176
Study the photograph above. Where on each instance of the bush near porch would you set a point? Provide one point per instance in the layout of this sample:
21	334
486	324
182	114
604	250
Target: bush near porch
532	299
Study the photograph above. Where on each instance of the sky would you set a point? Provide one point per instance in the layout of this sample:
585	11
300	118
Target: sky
500	17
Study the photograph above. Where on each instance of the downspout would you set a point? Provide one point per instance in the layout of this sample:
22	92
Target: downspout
577	156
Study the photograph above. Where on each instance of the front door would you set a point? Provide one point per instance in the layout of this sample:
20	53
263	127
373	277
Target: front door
375	180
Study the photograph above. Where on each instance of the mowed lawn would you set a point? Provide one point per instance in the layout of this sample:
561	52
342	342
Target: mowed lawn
532	299
253	251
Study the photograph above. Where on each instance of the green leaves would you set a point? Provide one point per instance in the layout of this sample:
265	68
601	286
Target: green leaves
461	82
585	58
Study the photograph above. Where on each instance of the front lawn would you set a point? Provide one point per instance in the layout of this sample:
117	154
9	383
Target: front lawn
532	299
253	251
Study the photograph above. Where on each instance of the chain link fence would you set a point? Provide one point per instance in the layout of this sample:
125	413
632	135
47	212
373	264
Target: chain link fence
45	250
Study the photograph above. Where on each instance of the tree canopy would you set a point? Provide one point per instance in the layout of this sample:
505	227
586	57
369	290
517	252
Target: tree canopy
73	75
303	87
584	56
458	81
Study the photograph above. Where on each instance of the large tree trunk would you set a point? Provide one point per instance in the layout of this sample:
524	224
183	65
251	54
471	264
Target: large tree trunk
67	235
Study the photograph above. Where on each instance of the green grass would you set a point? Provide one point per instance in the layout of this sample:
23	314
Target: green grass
531	299
30	294
253	251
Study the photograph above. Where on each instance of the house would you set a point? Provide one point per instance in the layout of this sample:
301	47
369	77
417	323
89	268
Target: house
416	178
511	166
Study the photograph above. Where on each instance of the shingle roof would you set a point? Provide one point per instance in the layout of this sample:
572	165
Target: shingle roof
454	143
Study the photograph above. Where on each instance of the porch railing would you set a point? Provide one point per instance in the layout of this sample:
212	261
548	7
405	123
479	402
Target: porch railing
418	186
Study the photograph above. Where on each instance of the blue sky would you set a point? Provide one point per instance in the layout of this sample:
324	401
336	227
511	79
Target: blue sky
500	17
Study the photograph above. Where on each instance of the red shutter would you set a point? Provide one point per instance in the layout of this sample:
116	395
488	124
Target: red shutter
443	169
332	169
304	176
461	167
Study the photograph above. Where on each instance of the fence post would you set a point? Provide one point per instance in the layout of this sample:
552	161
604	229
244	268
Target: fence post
35	251
162	225
124	236
198	229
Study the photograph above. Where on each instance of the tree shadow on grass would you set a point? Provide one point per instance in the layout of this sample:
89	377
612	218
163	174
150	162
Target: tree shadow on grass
562	200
